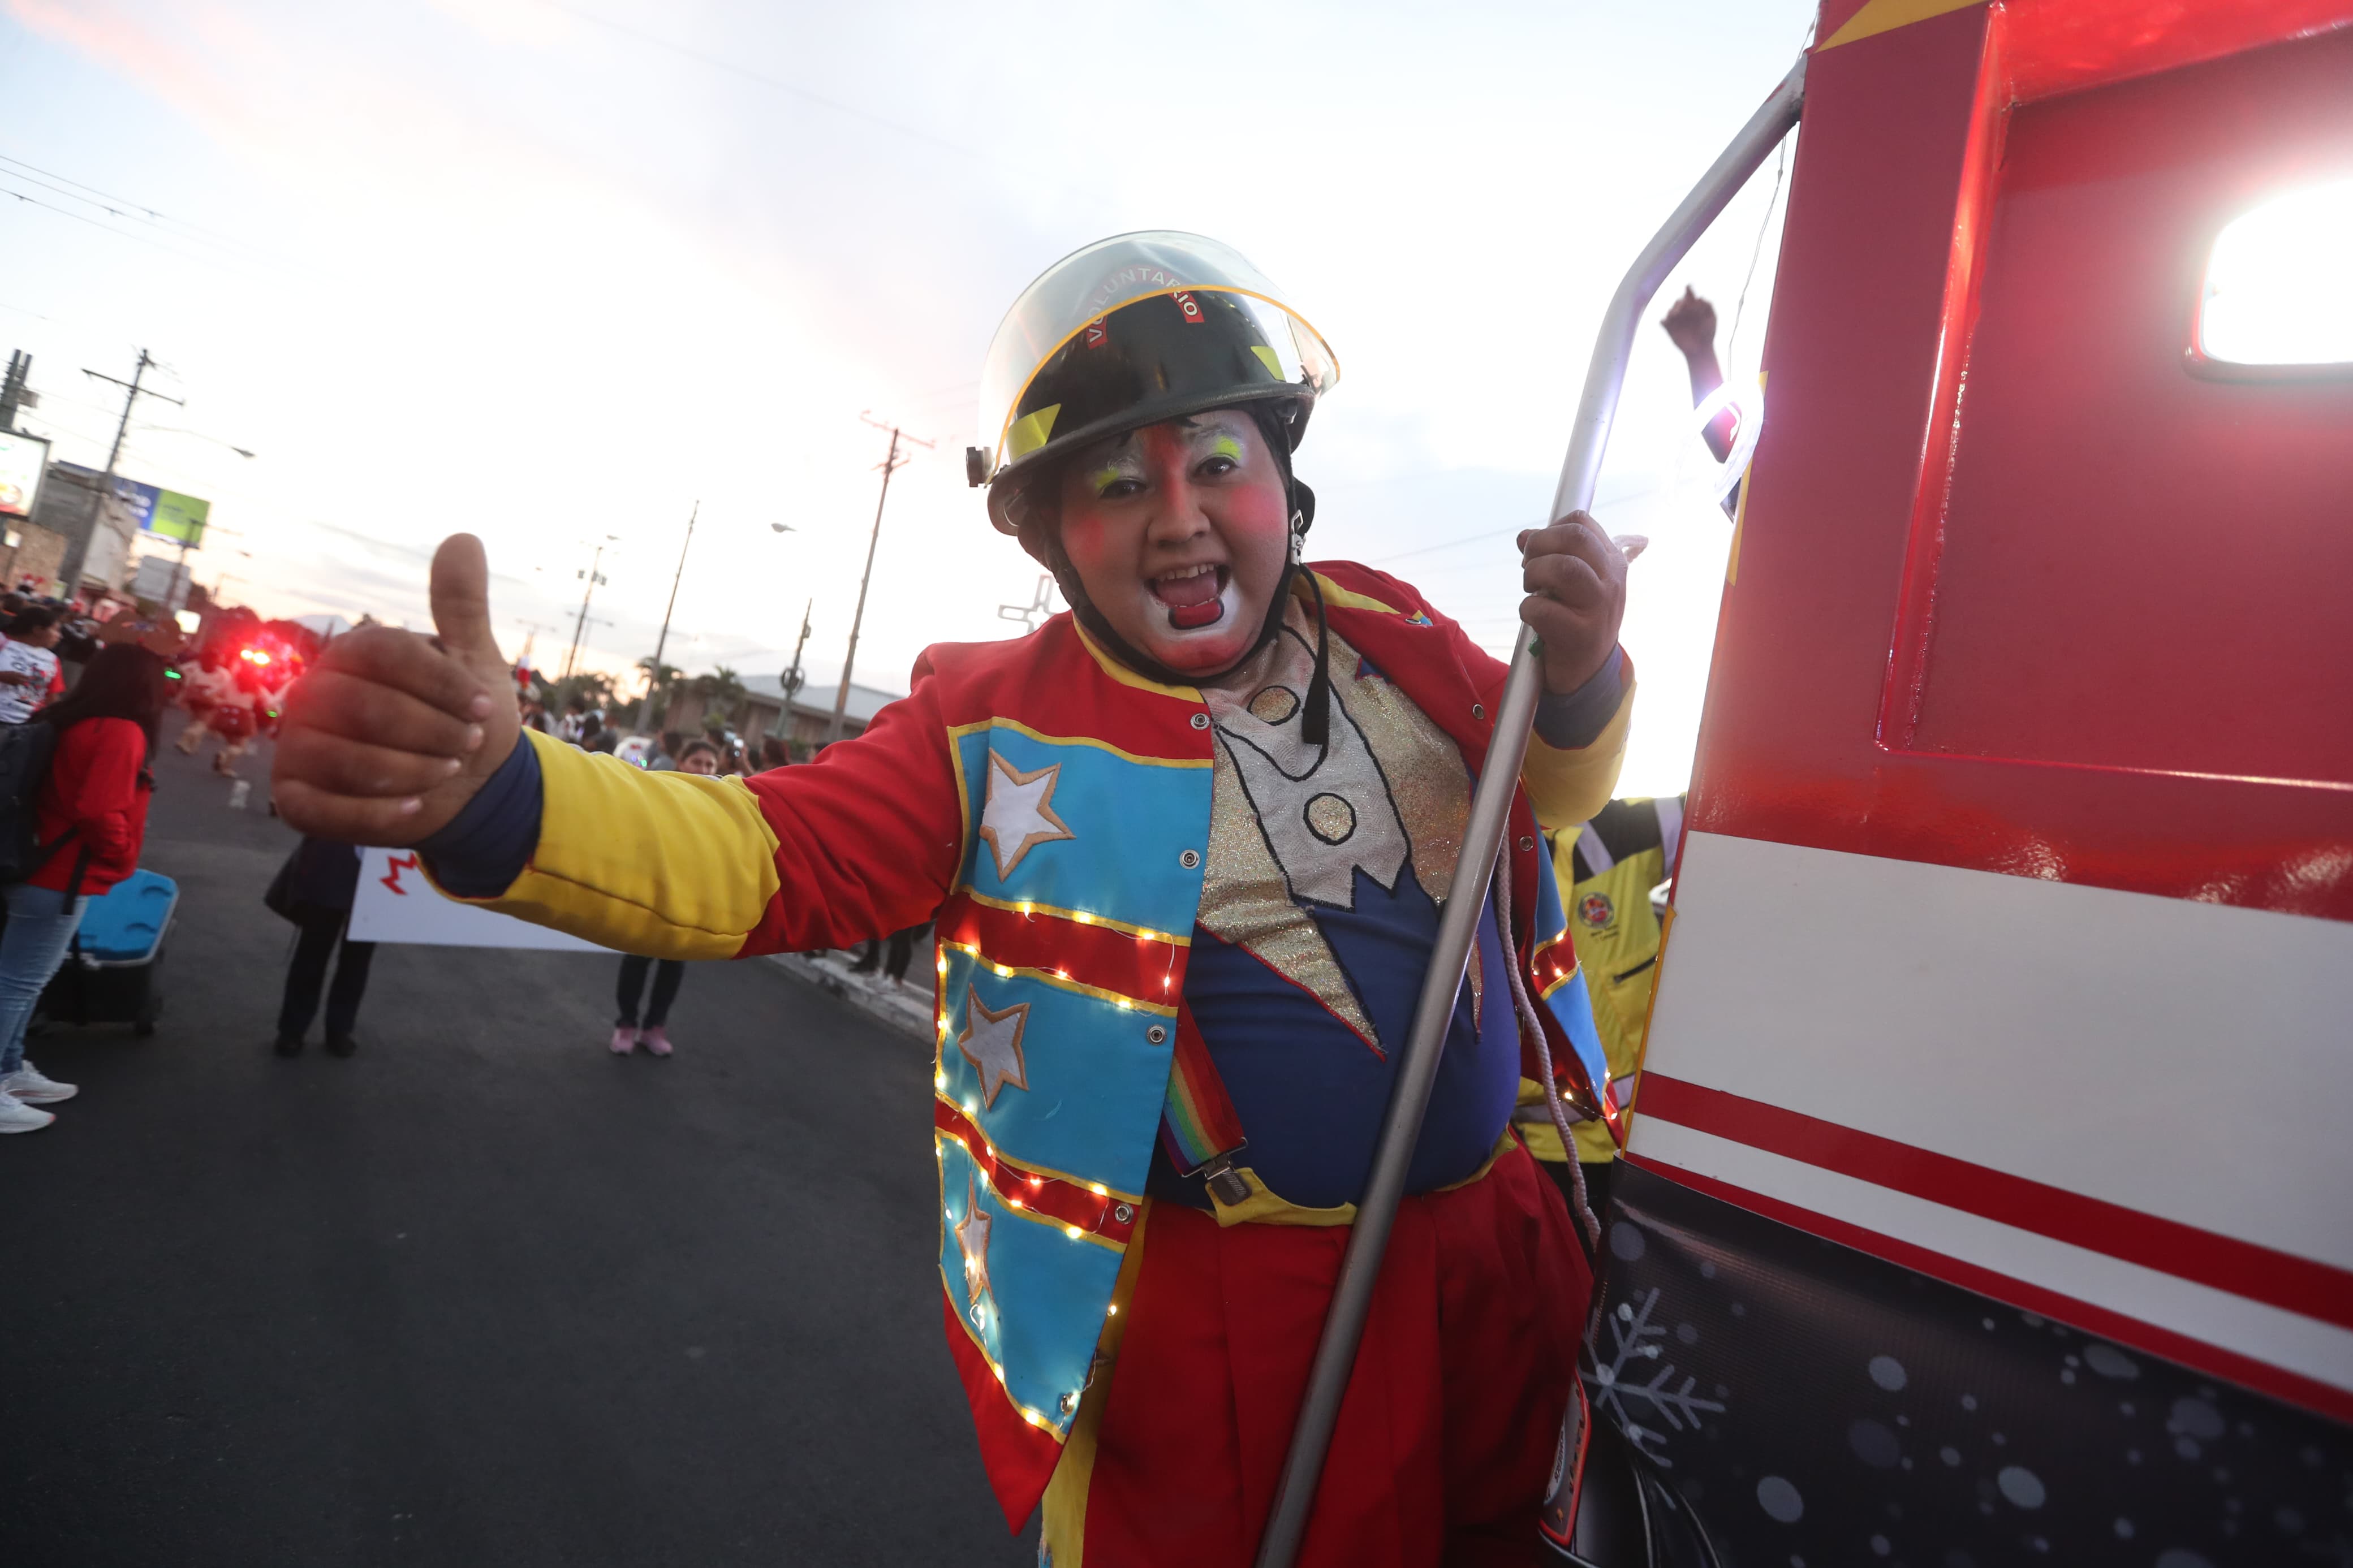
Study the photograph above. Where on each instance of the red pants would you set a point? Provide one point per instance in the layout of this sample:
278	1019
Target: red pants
1445	1437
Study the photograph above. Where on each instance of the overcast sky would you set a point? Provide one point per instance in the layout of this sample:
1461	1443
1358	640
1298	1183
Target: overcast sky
555	271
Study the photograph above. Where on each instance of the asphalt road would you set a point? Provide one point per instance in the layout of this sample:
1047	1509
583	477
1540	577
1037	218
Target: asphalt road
484	1293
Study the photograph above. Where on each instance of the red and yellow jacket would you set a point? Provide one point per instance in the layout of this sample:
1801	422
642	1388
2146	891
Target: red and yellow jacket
1051	809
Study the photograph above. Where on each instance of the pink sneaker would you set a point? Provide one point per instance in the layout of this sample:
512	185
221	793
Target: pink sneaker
655	1039
625	1039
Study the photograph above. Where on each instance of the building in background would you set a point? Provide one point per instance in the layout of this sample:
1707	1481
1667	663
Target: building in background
115	523
804	721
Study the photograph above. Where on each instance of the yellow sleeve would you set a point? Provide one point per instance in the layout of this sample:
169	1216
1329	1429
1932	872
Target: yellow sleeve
1542	1137
670	865
1569	787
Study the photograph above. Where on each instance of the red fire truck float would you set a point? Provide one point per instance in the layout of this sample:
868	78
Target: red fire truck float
1989	1189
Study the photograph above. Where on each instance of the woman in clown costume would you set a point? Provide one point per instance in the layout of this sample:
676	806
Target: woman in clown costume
1183	846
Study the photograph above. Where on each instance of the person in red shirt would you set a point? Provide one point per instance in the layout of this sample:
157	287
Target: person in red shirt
93	819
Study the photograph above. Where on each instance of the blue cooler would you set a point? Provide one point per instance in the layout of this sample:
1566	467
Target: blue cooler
110	977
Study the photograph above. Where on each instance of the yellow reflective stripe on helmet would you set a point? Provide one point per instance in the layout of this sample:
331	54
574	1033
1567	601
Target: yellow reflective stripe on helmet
1269	358
1030	432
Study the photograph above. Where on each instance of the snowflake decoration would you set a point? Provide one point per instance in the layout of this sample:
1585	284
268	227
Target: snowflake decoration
1638	1340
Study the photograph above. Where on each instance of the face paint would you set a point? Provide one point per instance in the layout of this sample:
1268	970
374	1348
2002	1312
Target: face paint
1179	532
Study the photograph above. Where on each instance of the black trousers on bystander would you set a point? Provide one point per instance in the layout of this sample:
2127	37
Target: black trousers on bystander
668	973
321	930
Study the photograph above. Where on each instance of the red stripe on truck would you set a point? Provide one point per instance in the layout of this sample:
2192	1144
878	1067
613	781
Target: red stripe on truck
2203	1257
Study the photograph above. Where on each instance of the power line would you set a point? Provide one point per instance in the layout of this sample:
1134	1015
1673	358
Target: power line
735	68
218	260
119	206
152	214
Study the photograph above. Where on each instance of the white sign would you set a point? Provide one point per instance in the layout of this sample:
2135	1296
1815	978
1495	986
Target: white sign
395	903
162	580
22	459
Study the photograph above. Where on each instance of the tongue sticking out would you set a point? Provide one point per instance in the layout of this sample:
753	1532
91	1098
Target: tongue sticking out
1184	618
1192	601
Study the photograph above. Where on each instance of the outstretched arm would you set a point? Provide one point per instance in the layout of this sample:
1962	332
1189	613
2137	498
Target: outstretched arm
404	739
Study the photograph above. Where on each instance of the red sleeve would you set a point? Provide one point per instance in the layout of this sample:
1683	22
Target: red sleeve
57	682
869	835
1484	670
103	797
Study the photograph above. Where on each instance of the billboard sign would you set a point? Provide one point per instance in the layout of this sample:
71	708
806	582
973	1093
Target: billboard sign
176	516
168	514
23	460
134	508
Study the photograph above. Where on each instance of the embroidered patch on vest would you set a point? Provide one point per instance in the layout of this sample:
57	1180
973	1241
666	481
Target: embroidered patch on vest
971	1240
1020	811
991	1042
1595	910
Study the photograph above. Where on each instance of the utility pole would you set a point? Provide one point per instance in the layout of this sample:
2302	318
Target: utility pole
581	624
78	547
795	678
12	390
662	641
891	462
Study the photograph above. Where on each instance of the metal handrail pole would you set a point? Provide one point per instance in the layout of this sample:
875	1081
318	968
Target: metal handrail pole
1352	1295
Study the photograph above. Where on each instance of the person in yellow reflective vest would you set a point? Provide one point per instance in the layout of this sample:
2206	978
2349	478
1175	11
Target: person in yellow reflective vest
1606	868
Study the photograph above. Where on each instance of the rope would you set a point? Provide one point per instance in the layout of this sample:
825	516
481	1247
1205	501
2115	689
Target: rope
1586	1219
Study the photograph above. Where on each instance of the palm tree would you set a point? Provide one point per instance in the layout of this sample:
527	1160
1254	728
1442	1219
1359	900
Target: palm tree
591	686
721	692
659	676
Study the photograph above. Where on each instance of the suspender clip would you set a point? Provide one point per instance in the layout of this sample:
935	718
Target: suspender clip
1225	1183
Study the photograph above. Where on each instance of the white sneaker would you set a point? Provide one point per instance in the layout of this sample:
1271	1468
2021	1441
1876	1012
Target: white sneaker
34	1086
15	1116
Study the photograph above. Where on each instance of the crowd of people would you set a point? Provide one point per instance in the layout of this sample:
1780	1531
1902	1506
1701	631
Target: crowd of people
1313	717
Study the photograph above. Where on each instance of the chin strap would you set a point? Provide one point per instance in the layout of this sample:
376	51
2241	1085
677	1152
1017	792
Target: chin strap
1316	725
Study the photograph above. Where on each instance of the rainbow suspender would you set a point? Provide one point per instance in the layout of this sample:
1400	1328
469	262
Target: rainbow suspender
1198	1126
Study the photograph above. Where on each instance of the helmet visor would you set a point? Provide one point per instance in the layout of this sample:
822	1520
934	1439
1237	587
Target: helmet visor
1134	329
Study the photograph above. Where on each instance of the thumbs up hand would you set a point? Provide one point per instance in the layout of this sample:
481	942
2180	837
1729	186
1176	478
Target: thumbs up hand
392	732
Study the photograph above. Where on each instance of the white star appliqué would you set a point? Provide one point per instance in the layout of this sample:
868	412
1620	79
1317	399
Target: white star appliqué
991	1042
971	1240
1019	814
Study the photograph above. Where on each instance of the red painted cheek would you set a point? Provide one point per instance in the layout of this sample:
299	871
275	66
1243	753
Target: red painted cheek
1086	540
1255	523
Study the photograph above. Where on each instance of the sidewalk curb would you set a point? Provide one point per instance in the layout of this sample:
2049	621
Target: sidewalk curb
886	1001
